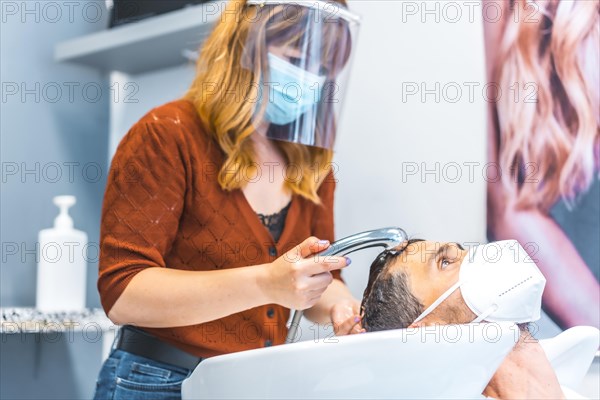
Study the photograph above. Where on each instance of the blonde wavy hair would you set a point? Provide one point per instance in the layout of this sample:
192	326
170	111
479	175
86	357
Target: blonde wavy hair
551	143
220	73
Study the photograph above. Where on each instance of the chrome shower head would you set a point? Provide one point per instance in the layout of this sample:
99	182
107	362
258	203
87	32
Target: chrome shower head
385	237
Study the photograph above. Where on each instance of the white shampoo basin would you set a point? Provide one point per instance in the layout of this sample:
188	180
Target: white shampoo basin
571	353
453	361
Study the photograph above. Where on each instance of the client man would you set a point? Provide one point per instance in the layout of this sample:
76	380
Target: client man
420	283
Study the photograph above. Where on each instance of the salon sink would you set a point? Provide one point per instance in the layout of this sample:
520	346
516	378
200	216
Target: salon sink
453	361
571	353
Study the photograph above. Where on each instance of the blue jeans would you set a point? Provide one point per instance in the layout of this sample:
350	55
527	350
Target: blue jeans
128	376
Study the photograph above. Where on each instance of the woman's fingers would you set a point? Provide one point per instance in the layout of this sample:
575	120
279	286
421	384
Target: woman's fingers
346	317
349	326
311	245
320	281
357	329
316	265
300	276
310	288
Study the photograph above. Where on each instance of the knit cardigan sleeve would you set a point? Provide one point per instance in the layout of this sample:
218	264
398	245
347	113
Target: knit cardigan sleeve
142	205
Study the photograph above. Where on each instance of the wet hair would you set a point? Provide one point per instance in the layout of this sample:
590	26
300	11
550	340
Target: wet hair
387	300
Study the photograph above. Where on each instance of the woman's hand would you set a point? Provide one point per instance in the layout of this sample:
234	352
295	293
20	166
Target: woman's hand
297	279
346	318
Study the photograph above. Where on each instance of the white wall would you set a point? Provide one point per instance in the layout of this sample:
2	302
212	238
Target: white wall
386	131
141	93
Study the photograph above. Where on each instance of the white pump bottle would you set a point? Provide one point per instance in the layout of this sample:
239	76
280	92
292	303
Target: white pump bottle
62	263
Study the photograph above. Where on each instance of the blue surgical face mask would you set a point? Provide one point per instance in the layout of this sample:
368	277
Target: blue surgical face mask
292	91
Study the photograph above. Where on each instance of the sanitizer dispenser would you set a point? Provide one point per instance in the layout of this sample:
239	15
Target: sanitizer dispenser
62	263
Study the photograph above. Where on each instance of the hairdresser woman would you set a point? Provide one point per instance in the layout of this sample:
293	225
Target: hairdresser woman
218	204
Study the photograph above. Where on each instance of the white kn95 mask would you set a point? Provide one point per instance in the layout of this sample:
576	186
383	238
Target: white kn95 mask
499	282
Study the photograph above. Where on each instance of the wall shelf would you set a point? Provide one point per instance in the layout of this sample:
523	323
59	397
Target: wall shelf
30	320
91	323
154	43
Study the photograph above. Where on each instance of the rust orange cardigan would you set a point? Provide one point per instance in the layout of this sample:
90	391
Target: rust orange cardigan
163	208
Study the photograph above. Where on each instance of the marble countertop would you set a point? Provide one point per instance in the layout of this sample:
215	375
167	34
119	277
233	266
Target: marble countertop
31	320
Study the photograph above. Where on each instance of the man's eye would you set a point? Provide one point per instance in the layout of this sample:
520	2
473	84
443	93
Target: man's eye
445	263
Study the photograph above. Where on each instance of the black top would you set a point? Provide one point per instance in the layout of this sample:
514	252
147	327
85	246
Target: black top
275	222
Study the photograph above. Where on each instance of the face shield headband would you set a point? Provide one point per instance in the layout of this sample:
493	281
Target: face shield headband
299	54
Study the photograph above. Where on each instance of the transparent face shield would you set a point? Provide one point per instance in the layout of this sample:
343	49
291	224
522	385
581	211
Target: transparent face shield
299	53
